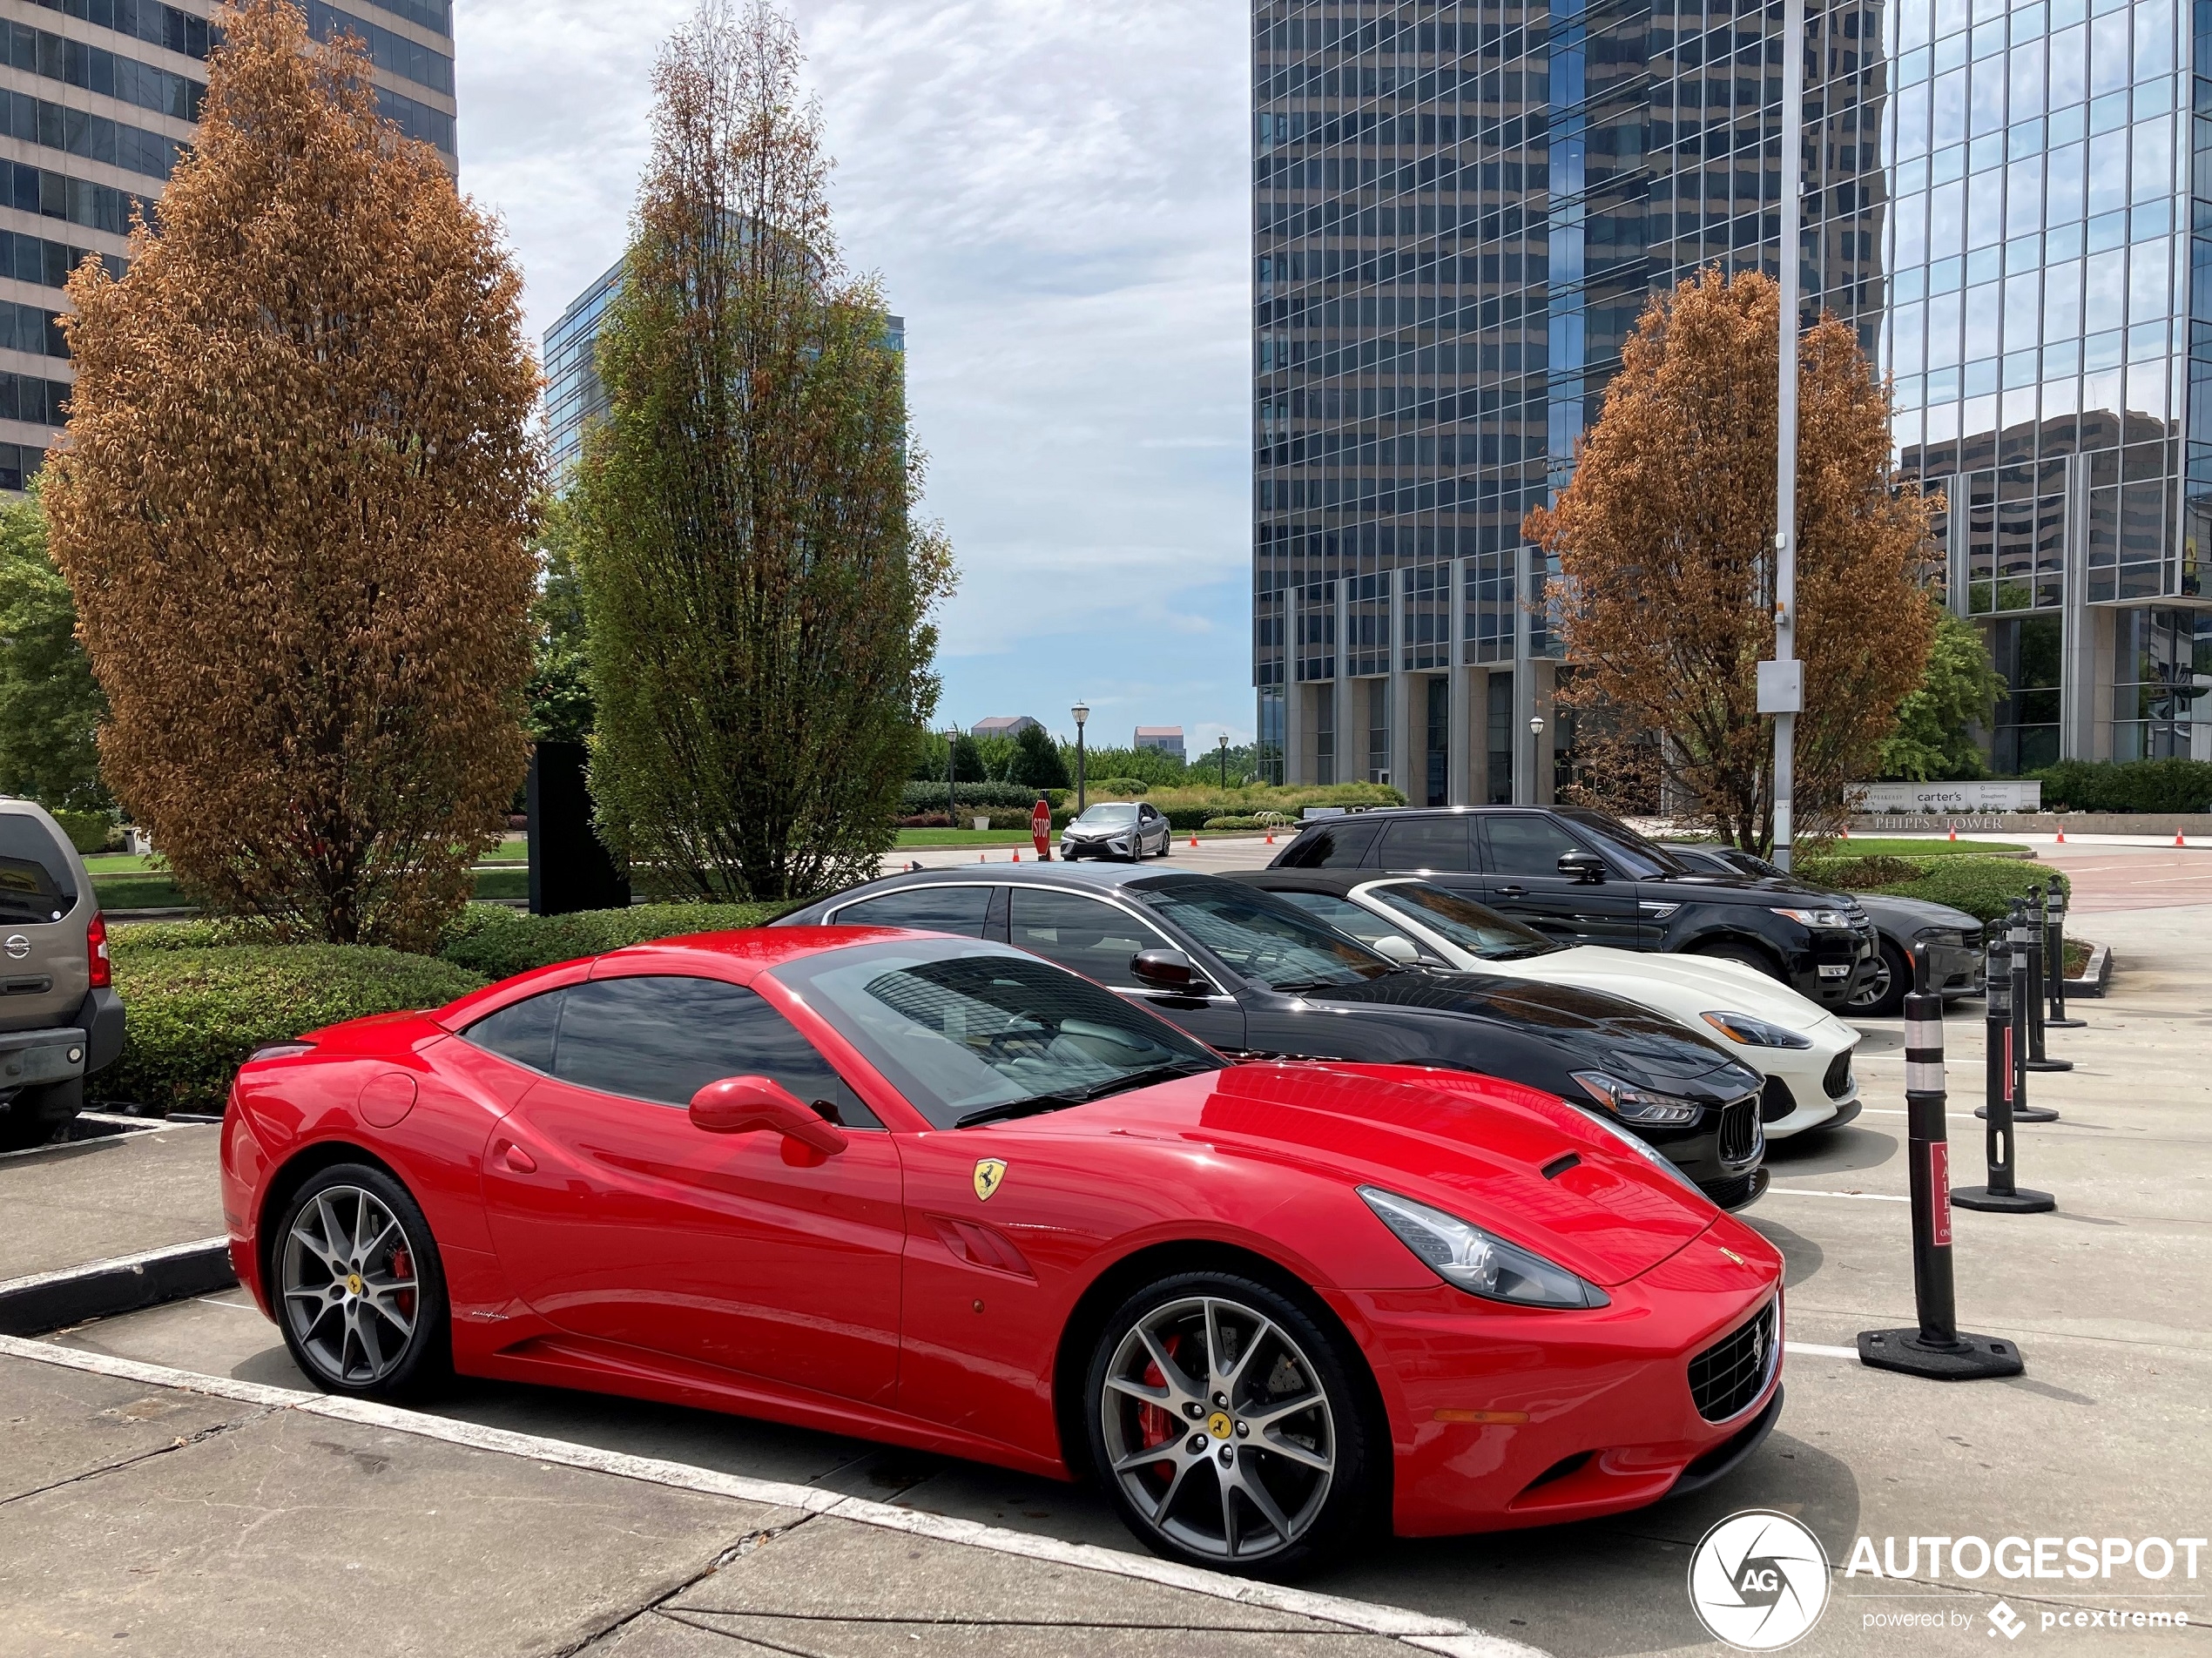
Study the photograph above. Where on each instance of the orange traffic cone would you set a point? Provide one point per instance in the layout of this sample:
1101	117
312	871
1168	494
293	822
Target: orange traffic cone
1194	843
2061	836
2178	841
1954	832
1271	836
980	858
1017	857
1847	831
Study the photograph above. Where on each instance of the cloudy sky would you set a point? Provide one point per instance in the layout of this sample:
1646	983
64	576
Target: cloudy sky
1053	194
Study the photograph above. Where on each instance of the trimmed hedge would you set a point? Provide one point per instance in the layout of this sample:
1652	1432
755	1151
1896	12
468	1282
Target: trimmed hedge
1984	887
920	797
201	933
88	832
2127	785
499	942
194	1013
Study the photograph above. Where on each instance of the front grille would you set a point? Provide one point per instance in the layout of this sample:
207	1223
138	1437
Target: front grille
1739	1135
1838	1079
1733	1372
1970	937
1776	1101
1732	1193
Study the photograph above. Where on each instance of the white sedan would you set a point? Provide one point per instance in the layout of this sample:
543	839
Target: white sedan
1802	1049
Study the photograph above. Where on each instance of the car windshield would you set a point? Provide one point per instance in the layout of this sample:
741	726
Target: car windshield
1475	929
969	1032
1110	812
1642	860
1259	934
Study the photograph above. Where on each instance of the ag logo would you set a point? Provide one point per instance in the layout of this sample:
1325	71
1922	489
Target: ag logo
988	1175
1758	1580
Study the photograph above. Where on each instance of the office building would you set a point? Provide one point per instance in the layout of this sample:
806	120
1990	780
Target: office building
1168	739
574	397
1461	210
97	99
1003	725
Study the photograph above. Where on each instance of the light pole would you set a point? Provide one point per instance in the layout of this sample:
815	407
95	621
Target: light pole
1782	681
1535	752
1225	762
952	770
1082	712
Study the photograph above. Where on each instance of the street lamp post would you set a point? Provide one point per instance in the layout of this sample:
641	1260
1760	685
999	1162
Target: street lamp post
1784	695
1535	753
952	771
1082	712
1225	762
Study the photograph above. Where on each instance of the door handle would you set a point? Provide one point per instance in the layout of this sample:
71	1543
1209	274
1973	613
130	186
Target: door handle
1510	892
515	1158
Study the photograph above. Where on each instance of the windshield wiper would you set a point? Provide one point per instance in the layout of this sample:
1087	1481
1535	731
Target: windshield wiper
1041	1103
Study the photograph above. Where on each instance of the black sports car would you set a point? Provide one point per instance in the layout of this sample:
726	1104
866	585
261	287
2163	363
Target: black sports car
1254	976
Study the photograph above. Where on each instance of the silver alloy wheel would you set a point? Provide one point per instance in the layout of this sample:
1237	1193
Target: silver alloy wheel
1870	994
1207	1383
350	1286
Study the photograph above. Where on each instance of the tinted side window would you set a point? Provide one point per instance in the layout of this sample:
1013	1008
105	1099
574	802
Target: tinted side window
522	1031
1528	845
1429	843
664	1039
34	880
929	909
1345	916
1336	844
1079	933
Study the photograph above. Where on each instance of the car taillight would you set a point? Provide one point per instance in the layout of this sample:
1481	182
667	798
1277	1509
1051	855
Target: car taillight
101	970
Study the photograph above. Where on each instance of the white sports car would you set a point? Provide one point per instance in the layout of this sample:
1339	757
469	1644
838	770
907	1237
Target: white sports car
1802	1049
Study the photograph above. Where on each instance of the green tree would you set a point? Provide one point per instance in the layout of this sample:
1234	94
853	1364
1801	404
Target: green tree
757	588
1036	763
50	706
560	683
1957	689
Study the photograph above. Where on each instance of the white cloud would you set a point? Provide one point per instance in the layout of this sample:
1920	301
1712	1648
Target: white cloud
1054	194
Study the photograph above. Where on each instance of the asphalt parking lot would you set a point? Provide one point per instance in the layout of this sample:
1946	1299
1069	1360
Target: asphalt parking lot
2105	1436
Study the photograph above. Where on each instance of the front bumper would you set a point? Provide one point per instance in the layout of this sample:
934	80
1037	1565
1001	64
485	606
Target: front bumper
1955	970
1504	1419
1120	846
1721	1152
1806	1087
1833	961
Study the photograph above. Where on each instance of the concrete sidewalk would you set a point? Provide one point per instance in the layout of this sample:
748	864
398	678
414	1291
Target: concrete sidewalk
220	1516
90	1200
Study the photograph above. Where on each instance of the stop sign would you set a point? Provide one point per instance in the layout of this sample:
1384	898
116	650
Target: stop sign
1041	828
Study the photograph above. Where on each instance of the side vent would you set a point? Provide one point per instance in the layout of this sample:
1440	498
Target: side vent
981	1245
1559	1165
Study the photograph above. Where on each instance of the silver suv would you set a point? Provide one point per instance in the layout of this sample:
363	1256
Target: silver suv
60	1019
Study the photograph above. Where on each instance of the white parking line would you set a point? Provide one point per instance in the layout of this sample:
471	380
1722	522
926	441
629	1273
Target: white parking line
1814	1350
1806	1191
1447	1636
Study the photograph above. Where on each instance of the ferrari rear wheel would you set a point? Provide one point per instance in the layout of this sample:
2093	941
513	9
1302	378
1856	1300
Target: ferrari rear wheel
1225	1425
360	1296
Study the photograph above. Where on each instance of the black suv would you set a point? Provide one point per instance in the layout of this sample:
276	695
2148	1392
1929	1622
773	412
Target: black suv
1582	877
1257	978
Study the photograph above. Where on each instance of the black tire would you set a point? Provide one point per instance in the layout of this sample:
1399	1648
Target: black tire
324	1311
1882	996
1750	955
37	1115
1187	1512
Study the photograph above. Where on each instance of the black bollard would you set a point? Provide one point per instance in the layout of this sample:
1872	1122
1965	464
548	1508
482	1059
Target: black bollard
2054	956
2037	1059
1935	1349
2001	1075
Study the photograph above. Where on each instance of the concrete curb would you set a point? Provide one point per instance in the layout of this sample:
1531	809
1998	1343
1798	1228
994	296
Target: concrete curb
50	1300
1424	1631
2096	977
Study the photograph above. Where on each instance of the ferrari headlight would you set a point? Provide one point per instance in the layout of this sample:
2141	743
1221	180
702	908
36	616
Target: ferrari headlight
1634	1104
1814	918
1473	1260
1755	1033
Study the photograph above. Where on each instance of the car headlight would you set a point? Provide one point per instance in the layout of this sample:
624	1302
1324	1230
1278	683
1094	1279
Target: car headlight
1755	1033
1634	1104
1817	917
1948	936
1473	1260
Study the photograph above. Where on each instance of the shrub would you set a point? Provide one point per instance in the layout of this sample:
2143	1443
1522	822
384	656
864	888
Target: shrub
88	832
203	933
2127	785
1984	887
920	799
196	1013
500	942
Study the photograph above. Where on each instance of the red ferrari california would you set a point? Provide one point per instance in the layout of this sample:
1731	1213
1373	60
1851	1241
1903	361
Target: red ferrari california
937	1192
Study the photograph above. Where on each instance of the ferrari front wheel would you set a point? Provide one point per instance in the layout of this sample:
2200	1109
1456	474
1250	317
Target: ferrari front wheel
1226	1425
360	1296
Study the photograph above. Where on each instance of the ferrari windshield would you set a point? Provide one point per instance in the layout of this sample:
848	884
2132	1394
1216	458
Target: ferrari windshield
1260	935
1475	929
1110	812
968	1032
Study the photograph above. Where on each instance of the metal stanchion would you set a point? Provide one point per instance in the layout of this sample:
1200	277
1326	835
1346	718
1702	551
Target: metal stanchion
2055	954
2037	1059
2001	1075
1936	1348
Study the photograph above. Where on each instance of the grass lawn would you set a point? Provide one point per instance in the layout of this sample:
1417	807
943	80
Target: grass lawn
1915	846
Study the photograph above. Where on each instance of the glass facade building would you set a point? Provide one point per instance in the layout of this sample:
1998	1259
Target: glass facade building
1460	209
97	99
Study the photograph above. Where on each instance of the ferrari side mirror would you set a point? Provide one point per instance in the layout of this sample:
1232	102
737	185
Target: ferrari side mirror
751	1104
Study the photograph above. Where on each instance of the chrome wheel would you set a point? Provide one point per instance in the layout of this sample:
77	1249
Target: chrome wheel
1875	990
351	1294
1218	1429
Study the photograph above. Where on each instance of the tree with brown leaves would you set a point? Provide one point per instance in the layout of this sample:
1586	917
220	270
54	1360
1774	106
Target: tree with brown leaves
757	586
295	502
1665	594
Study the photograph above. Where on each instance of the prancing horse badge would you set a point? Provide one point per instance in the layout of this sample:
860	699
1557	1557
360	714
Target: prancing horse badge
989	1174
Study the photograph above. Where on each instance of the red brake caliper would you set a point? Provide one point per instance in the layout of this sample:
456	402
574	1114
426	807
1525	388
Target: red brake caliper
1153	1421
402	1265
